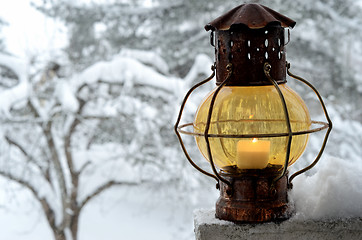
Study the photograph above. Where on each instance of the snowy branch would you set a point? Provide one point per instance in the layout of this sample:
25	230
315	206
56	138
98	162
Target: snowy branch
104	187
29	157
67	140
20	92
57	165
84	166
121	68
49	213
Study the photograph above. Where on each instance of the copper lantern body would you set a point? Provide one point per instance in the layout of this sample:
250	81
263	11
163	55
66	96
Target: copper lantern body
252	126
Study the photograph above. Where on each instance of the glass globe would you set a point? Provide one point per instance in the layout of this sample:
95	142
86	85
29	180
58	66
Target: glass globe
252	110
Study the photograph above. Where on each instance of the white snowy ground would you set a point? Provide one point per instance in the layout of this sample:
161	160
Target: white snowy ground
108	217
333	192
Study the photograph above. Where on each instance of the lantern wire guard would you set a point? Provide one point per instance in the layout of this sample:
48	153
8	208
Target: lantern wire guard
207	127
176	128
329	125
323	125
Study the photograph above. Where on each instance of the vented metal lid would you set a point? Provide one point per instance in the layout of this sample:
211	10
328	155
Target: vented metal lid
252	15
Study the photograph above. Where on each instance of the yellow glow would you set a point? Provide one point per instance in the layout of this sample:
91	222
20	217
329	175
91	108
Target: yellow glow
252	154
252	110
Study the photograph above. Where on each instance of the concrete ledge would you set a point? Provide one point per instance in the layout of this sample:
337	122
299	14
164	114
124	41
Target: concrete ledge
207	227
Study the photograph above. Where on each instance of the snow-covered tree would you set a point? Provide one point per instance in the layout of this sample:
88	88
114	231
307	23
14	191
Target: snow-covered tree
324	43
324	47
173	29
67	140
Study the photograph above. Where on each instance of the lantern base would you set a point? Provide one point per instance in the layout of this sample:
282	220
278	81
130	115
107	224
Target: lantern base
253	199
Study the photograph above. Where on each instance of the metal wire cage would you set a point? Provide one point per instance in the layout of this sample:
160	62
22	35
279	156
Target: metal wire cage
316	126
250	49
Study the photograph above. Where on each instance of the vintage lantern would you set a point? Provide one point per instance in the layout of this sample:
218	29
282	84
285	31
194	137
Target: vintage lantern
252	126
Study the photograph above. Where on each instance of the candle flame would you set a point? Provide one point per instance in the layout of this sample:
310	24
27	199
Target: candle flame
251	116
255	140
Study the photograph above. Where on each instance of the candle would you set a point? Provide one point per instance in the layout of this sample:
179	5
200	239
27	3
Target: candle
253	154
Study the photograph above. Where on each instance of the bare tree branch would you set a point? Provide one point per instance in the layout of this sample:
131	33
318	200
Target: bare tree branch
68	138
49	212
104	187
29	157
74	175
85	165
57	165
33	108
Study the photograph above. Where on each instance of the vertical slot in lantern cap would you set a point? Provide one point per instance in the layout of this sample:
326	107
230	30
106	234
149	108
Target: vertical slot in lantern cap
252	15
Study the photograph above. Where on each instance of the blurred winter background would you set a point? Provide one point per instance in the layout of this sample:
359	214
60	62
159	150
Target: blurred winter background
89	93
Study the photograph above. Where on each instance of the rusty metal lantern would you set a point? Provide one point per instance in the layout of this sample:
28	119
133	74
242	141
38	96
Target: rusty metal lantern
252	126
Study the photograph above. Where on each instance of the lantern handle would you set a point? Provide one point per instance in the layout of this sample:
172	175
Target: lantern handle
330	125
267	68
207	127
179	119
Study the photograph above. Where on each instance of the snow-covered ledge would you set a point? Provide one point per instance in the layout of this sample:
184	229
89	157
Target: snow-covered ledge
207	227
328	205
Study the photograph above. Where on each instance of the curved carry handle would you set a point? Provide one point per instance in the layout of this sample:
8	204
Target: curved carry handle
327	133
179	119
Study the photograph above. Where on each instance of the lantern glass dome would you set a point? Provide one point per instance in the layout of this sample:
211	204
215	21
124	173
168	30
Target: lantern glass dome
249	110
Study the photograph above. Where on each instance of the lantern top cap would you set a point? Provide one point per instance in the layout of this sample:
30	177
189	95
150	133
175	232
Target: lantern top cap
251	15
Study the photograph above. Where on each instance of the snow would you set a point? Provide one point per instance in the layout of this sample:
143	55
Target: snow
11	96
135	220
66	96
29	32
319	196
333	192
146	57
121	68
20	216
207	227
112	216
206	216
202	65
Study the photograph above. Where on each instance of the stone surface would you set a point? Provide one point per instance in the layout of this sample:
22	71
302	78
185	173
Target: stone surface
207	227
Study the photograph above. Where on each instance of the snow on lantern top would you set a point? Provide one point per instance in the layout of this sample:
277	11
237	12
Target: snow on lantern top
252	15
